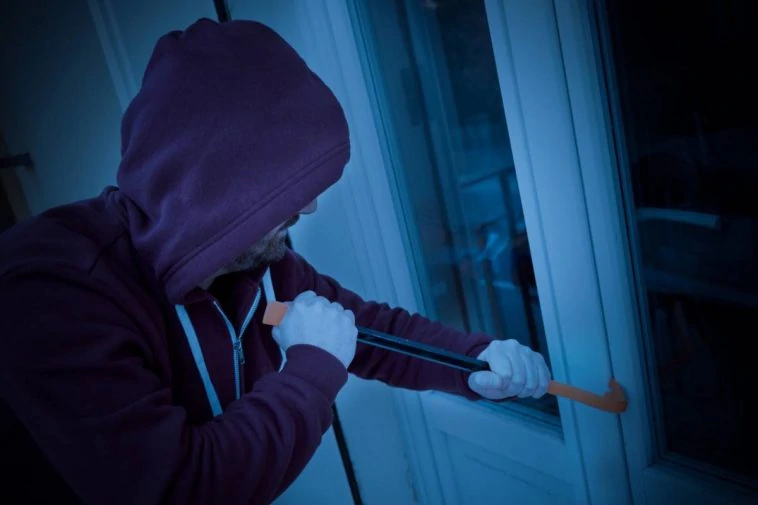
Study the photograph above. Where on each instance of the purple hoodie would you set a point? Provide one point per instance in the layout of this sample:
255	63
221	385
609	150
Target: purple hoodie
125	382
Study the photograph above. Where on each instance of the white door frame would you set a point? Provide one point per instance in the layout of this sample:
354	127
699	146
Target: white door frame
653	481
531	71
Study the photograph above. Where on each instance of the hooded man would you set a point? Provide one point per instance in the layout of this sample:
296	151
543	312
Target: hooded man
135	364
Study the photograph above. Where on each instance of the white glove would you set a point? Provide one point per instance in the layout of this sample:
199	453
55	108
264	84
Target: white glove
313	320
516	370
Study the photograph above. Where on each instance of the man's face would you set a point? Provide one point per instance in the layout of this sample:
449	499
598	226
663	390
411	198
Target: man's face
270	249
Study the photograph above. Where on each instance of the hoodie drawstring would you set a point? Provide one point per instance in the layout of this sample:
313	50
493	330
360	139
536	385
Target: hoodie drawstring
197	352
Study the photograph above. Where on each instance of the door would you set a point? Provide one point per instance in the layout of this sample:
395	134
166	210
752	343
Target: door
666	125
463	107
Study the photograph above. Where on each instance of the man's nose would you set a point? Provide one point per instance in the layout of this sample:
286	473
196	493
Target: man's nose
310	208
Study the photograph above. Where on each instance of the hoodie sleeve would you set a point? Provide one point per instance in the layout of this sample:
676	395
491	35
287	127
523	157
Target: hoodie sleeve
77	372
389	367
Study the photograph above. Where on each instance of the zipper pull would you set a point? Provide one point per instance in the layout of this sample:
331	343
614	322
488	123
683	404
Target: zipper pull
238	350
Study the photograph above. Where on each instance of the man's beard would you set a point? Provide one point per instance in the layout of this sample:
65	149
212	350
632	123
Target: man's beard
270	249
264	252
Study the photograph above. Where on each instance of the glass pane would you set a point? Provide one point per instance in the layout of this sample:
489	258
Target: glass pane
689	115
437	89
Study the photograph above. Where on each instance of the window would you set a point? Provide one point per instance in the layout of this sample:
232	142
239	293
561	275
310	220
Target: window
437	91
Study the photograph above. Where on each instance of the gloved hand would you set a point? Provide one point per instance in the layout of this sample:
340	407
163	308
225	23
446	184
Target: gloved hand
516	370
313	320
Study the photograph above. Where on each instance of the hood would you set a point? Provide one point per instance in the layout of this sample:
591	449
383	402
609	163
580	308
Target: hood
230	135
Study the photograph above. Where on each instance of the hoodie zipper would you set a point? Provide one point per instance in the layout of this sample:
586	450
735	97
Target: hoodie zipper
239	355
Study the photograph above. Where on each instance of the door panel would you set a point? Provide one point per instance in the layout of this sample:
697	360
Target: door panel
499	459
476	469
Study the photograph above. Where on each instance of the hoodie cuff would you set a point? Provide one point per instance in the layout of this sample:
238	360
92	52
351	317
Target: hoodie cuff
318	368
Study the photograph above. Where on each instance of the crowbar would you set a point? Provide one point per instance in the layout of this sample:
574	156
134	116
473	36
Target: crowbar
613	400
